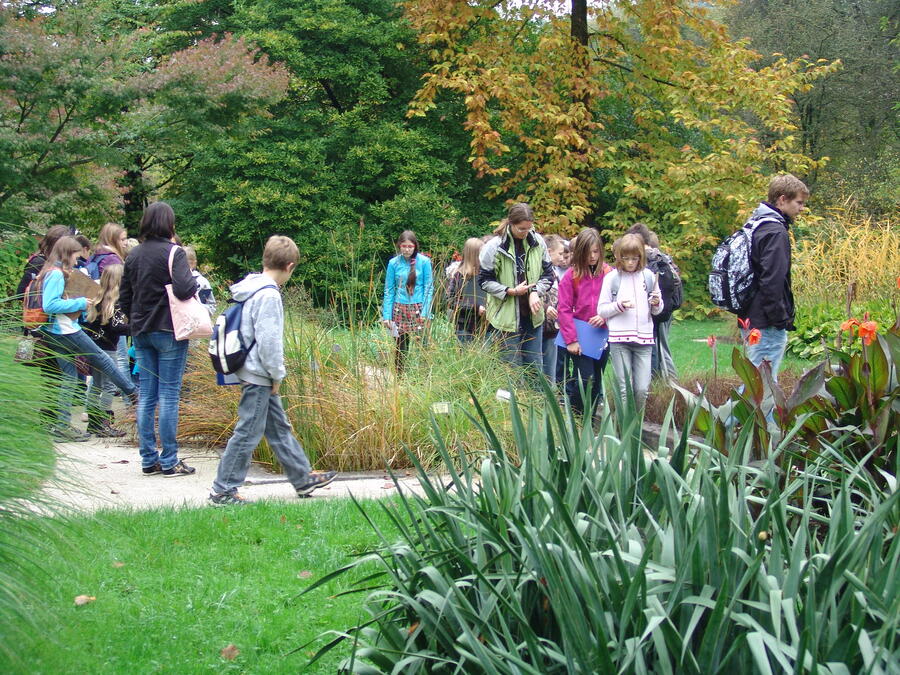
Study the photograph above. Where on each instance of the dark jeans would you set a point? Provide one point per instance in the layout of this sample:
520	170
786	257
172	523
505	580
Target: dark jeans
586	372
524	347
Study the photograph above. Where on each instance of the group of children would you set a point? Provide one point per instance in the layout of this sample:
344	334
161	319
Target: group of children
74	327
553	306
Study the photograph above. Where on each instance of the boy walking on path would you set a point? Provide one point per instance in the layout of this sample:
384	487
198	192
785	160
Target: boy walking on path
771	309
260	412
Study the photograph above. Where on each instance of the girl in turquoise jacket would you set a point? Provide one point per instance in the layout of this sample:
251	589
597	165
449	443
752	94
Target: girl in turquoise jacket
408	289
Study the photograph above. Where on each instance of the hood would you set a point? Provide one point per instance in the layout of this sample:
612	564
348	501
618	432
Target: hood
768	212
250	284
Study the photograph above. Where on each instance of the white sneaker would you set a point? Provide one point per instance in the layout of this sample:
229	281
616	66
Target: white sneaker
84	417
503	395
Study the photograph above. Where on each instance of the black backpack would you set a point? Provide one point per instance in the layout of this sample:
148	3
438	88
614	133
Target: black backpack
670	287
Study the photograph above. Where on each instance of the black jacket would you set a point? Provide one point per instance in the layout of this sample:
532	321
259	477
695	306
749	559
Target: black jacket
143	296
772	305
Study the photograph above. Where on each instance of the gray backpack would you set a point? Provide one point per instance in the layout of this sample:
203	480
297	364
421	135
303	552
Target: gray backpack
731	281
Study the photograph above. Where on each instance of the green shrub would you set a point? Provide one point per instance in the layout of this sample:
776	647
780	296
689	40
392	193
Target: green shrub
817	325
589	556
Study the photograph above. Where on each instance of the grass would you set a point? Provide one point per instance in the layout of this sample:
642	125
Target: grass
175	587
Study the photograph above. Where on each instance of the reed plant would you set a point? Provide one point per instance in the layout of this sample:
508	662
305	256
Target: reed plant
587	554
847	248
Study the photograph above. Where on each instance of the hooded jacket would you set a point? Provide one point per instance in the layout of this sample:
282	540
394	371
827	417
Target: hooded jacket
772	304
262	319
498	273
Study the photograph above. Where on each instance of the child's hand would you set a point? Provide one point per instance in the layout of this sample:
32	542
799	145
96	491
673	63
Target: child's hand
627	304
655	300
552	313
574	348
596	321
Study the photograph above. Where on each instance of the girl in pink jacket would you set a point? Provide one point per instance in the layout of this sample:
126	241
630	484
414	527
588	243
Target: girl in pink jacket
579	290
629	299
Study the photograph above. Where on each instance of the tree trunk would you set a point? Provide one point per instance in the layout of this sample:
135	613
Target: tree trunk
135	198
580	35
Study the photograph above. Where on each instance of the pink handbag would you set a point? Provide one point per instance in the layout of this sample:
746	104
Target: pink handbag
190	319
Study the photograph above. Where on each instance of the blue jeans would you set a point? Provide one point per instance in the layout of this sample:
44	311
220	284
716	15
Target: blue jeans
260	414
524	347
770	347
65	348
161	360
550	350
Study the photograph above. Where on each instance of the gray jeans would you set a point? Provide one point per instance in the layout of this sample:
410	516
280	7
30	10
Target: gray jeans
662	363
260	413
631	364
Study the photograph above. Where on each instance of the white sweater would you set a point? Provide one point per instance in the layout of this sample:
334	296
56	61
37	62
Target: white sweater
629	325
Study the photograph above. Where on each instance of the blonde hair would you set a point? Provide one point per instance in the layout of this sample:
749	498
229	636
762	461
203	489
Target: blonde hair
280	252
786	185
130	244
470	264
630	245
105	306
109	239
191	255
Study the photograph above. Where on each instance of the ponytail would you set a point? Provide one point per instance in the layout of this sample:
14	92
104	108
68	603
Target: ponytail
411	279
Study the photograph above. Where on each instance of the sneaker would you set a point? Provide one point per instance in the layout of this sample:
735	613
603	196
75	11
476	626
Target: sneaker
105	430
84	417
228	499
314	481
180	469
154	470
132	398
65	433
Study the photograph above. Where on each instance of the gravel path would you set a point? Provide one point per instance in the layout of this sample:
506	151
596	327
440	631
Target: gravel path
104	473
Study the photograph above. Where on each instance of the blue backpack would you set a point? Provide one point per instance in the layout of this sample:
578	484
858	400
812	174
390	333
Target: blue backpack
226	346
93	265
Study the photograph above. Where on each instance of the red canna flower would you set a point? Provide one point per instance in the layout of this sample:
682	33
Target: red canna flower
744	323
898	282
754	337
850	325
711	341
867	332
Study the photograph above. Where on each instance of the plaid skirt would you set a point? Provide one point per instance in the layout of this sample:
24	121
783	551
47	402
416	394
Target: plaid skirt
407	318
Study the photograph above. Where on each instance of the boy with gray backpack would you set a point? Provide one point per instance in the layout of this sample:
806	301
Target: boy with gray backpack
261	371
751	270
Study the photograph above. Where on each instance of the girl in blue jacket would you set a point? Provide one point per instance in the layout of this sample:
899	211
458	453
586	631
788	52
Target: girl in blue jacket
64	338
408	288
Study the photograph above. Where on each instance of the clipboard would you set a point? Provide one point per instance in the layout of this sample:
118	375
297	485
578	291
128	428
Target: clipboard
80	285
592	340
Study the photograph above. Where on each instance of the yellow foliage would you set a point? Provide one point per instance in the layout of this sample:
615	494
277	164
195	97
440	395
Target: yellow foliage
847	247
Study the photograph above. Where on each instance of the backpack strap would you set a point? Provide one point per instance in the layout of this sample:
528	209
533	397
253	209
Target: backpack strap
253	341
649	282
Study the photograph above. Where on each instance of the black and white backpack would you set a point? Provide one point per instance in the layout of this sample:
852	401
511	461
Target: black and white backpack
226	346
731	281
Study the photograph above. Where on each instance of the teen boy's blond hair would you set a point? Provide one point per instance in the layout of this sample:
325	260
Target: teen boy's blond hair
788	186
280	252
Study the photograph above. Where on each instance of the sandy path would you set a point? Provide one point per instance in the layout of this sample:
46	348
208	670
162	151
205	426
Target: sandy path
104	473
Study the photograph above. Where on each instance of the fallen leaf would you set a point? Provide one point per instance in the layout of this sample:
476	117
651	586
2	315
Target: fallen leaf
83	599
387	486
113	492
283	519
118	563
101	466
412	628
120	461
304	574
230	652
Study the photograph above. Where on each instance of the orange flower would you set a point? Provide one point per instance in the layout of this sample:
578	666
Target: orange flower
711	341
754	337
867	332
850	325
898	282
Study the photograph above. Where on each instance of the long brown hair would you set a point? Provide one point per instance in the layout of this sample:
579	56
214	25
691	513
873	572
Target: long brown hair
109	239
60	255
410	236
517	213
581	252
105	306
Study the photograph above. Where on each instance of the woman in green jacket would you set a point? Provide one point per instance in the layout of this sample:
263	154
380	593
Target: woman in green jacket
515	274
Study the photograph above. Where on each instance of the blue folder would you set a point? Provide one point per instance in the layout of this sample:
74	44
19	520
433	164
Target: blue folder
592	340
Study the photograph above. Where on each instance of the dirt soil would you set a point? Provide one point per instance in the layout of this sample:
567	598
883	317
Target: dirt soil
101	474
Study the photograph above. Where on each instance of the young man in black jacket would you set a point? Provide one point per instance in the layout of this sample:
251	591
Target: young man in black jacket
771	309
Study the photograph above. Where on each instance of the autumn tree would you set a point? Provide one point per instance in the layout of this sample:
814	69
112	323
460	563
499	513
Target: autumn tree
660	116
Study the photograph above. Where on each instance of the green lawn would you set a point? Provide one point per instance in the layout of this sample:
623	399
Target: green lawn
174	587
692	354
